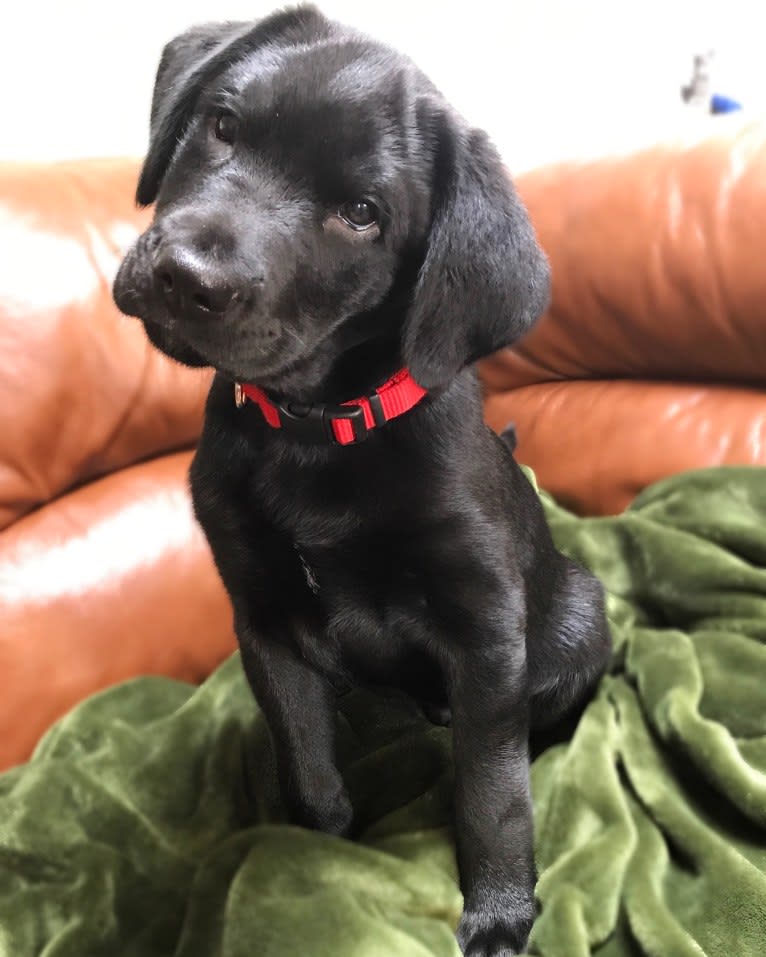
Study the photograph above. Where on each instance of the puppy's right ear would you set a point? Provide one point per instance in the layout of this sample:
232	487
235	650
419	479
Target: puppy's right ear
187	62
192	60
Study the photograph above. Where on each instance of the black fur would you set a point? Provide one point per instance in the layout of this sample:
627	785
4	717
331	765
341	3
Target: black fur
419	558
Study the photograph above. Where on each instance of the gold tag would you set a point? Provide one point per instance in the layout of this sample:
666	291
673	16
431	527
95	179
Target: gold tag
239	395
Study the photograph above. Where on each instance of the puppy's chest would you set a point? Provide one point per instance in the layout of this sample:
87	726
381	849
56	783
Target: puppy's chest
371	608
362	549
347	539
363	571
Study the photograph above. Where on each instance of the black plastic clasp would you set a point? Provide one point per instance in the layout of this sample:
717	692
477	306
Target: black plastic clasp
351	413
312	423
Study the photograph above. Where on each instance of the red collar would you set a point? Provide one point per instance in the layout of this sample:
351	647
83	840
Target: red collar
341	424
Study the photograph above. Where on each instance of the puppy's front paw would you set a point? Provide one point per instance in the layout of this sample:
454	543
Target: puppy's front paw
332	815
485	932
338	818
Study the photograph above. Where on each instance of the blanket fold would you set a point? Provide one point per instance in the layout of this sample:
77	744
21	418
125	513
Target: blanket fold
148	822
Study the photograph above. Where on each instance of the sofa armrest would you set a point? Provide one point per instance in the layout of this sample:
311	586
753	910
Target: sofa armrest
110	581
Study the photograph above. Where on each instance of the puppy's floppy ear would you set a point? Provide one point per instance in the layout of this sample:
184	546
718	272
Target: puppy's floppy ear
187	62
192	60
484	280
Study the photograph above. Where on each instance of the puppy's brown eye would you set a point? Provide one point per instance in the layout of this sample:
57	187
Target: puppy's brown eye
226	127
359	214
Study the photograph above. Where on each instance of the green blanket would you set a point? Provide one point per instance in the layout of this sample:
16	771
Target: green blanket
147	822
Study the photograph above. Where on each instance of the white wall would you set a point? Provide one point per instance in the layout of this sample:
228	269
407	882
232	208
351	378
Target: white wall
540	75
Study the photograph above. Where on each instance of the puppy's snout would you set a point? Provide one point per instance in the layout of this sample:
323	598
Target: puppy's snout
192	286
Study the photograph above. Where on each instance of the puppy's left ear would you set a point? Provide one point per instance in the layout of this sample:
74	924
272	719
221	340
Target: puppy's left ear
484	280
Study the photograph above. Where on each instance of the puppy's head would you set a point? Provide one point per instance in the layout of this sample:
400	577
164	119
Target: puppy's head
313	189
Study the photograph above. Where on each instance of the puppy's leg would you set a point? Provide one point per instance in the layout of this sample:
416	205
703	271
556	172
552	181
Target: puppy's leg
492	799
265	580
299	706
569	650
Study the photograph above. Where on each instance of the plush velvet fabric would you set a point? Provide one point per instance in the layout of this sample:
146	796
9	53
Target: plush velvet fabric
147	824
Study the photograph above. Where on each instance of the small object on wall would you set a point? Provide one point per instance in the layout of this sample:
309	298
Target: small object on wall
723	104
697	93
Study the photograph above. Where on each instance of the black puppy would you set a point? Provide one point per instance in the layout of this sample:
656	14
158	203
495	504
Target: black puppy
327	230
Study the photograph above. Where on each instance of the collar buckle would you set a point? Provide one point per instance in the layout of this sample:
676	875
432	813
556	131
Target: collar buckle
313	423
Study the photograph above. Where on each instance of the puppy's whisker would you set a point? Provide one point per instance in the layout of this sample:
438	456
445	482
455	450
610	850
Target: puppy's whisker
295	336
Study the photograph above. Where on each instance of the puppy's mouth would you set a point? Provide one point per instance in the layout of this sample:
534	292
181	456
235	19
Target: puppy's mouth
244	345
233	348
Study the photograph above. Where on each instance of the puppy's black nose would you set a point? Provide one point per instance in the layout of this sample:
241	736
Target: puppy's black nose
192	287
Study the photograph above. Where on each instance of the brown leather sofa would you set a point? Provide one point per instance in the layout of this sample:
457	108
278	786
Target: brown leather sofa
652	357
650	360
103	573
